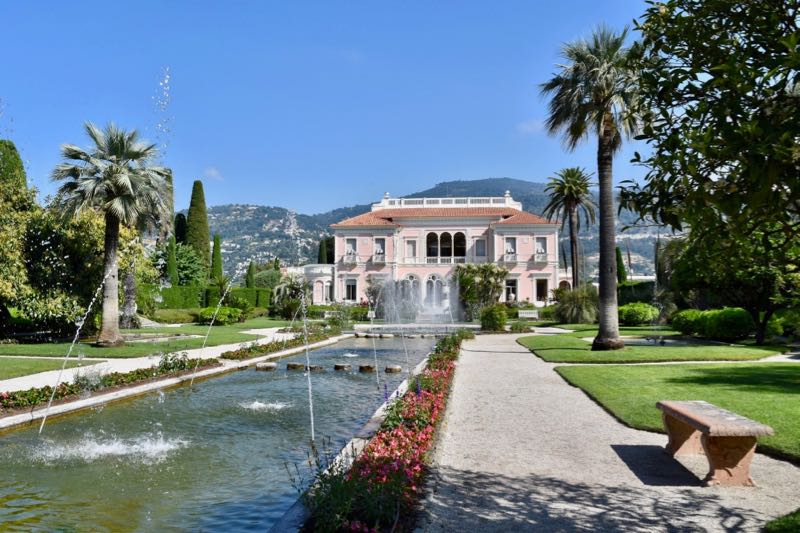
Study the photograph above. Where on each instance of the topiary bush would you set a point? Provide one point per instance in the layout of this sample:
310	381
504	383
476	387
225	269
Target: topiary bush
727	324
177	316
493	318
687	322
637	313
225	316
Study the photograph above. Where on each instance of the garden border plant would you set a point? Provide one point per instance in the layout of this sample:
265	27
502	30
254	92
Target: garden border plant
382	487
315	334
169	365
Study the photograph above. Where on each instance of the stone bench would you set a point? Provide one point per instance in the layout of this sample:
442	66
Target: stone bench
529	313
728	440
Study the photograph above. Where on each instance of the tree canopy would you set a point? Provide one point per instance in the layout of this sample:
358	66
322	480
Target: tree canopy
197	232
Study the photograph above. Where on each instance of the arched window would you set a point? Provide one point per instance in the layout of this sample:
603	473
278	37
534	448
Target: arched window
432	245
459	245
446	245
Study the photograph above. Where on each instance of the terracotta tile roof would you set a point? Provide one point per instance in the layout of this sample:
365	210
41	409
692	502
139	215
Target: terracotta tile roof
522	218
384	217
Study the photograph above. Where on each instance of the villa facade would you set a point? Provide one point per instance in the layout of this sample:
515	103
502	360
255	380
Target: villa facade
420	241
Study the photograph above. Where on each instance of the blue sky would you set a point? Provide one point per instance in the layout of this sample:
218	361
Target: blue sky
306	105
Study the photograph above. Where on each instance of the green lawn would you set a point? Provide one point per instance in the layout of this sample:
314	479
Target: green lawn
571	348
766	392
785	524
219	335
13	367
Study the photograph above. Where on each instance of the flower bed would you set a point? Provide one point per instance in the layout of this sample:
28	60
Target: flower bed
169	364
315	334
380	490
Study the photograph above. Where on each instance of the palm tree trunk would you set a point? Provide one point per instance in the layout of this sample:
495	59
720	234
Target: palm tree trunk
573	246
608	334
109	329
128	319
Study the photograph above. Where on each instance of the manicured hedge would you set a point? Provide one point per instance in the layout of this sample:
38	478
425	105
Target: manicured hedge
637	313
635	291
181	297
255	297
726	324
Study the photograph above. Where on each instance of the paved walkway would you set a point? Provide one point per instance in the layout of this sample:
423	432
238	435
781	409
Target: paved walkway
521	449
132	363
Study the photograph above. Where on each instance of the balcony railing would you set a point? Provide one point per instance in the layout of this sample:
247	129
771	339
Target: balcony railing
445	260
539	258
379	258
510	258
350	259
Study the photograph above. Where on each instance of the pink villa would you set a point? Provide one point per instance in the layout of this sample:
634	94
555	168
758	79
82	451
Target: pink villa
419	242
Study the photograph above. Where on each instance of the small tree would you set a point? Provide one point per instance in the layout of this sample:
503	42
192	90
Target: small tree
216	257
197	233
180	228
250	278
622	273
322	254
172	263
479	286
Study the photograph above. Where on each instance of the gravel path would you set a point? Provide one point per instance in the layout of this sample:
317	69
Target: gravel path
521	449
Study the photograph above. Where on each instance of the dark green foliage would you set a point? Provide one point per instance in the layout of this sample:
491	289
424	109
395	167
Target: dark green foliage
172	263
315	334
638	313
493	318
176	316
322	254
180	228
790	321
250	278
268	279
577	306
687	322
785	524
254	297
192	270
216	257
622	273
520	326
12	171
176	297
720	79
197	233
224	317
358	313
635	291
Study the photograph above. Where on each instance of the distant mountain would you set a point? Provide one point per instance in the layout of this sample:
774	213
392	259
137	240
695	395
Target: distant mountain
259	233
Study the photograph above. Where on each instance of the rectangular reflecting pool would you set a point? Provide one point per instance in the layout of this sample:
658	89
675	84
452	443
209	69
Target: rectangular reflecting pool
209	457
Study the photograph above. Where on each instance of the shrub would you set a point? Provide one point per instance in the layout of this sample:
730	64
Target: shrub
687	322
288	308
578	306
177	316
727	324
358	313
790	322
225	316
340	317
637	313
242	304
547	312
520	327
493	318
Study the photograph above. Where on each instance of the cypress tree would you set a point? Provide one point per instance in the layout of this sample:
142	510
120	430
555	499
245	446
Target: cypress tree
172	263
197	234
276	264
250	279
12	171
331	250
622	274
322	255
216	258
180	228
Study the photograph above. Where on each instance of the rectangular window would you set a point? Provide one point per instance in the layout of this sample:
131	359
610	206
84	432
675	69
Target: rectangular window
511	245
541	245
380	246
511	290
350	246
541	290
480	248
350	290
411	249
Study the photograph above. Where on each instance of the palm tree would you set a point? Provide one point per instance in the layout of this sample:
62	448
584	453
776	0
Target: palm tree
116	178
570	198
595	91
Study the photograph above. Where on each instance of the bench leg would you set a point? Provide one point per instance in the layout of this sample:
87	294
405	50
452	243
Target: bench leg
729	460
683	438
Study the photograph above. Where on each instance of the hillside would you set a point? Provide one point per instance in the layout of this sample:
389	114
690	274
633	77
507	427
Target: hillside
261	233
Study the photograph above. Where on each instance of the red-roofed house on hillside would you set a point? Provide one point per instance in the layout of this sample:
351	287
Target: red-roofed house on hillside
419	242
